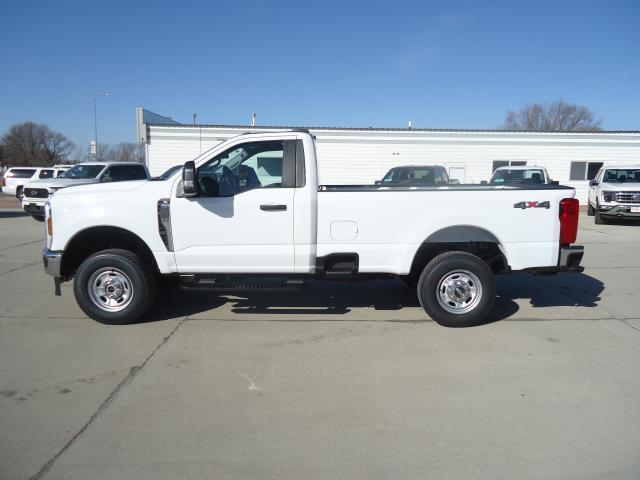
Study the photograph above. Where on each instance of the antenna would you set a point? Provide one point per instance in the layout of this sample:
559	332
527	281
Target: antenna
253	120
409	125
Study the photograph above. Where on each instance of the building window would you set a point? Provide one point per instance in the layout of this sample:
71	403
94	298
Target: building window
508	163
584	170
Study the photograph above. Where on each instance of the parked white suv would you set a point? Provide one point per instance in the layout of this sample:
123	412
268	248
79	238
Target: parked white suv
16	177
615	193
253	206
35	194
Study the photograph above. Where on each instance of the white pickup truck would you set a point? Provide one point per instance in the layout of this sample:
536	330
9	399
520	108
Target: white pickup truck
614	193
252	206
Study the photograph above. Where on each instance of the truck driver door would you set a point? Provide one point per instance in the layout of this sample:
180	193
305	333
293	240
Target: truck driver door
242	219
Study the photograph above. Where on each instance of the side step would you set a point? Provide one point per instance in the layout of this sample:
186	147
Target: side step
226	284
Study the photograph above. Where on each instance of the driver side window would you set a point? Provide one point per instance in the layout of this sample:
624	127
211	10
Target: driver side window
242	168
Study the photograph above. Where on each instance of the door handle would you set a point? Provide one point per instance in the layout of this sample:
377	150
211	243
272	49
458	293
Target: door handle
269	207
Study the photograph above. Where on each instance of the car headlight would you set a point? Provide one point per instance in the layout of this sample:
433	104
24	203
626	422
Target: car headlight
608	196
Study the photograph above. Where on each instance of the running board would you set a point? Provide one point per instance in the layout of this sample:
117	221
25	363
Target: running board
221	284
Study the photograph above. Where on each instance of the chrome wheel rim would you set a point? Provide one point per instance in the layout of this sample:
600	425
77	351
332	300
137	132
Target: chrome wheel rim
459	291
110	289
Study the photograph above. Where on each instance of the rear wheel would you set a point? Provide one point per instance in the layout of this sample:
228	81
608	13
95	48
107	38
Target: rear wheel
457	289
114	287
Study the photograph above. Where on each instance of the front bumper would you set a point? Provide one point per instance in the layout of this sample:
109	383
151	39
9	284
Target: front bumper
53	266
34	208
619	211
570	258
52	262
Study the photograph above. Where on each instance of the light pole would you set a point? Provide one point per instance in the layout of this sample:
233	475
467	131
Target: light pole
94	96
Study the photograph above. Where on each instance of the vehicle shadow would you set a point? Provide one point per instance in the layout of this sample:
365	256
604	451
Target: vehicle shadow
319	299
13	214
324	299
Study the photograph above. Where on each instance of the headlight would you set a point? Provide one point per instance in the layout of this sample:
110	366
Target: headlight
608	196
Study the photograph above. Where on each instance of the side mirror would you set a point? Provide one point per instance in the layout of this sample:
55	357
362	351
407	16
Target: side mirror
554	182
593	183
190	185
483	182
378	182
454	181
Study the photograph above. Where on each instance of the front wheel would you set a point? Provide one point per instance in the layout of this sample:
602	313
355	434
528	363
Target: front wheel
591	211
457	289
114	287
599	220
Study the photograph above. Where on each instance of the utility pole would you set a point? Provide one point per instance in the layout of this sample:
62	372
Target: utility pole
95	96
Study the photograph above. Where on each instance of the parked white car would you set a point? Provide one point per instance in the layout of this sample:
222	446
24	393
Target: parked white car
15	178
529	175
615	193
36	193
252	206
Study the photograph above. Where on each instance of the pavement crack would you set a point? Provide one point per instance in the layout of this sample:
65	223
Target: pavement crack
20	267
21	245
133	371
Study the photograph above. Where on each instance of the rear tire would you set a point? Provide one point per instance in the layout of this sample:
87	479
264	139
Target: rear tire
114	287
457	289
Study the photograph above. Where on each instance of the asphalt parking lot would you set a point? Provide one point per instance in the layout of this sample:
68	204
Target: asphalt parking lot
337	381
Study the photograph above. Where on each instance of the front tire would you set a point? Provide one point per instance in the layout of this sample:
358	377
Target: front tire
19	193
457	289
599	220
114	287
591	211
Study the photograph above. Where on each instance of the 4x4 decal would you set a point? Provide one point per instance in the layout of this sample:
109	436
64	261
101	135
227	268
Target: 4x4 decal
525	205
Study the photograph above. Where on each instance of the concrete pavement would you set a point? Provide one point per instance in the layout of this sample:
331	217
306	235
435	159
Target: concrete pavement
337	381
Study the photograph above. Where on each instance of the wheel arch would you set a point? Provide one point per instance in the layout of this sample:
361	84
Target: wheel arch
94	239
466	238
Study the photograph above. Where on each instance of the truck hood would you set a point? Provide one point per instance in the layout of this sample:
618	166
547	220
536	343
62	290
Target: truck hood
103	188
620	186
60	182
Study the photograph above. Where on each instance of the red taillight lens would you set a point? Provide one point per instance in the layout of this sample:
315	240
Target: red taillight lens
2	182
569	213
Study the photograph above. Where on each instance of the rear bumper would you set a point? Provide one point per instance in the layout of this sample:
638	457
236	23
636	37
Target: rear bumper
570	258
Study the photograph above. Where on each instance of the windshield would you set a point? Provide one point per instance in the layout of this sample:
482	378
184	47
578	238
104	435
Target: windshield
169	172
83	172
530	175
621	175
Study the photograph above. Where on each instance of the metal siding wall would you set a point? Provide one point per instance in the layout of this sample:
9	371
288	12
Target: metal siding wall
346	157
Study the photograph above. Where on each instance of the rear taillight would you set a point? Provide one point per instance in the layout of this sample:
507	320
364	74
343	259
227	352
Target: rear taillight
569	213
3	183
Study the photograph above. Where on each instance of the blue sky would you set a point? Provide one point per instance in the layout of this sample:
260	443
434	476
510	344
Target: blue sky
439	64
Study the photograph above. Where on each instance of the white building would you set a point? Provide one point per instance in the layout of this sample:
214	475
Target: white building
363	155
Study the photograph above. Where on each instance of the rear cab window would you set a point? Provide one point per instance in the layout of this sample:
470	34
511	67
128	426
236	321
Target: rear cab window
46	173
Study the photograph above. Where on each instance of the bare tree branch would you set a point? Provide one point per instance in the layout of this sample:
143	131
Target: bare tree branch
558	116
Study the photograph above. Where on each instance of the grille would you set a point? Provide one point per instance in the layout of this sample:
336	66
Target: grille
628	197
36	193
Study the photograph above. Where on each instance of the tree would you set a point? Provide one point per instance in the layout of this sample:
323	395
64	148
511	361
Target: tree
35	144
558	116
